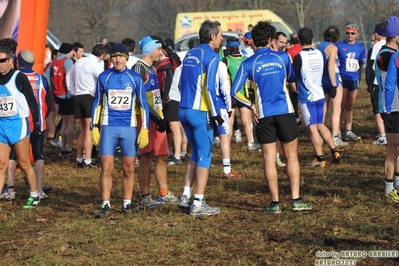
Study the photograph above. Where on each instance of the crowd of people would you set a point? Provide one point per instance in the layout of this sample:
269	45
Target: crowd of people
152	109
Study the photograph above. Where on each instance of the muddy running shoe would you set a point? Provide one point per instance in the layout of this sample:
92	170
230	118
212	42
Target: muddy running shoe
8	195
338	142
316	163
42	195
233	174
279	163
336	157
392	196
274	207
130	209
104	211
185	202
149	203
350	136
301	205
88	165
46	188
168	199
202	210
31	203
55	143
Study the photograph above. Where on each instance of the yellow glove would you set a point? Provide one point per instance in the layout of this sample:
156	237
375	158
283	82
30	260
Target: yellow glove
95	136
142	139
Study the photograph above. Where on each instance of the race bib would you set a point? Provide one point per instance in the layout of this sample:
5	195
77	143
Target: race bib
8	106
156	96
120	99
352	65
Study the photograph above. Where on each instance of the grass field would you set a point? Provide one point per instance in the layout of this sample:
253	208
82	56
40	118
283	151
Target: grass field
349	213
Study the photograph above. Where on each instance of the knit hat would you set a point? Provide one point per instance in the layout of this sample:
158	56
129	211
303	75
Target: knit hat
119	49
392	29
148	44
65	48
380	31
26	59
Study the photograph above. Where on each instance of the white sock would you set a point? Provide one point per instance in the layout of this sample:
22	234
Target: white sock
79	160
88	161
396	181
178	156
183	153
198	199
388	186
226	166
250	145
33	194
105	202
278	156
187	191
126	202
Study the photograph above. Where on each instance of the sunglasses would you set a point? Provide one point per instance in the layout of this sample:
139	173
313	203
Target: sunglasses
3	60
351	33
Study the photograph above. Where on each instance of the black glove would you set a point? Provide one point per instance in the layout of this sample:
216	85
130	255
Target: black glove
333	92
217	120
161	125
36	133
160	40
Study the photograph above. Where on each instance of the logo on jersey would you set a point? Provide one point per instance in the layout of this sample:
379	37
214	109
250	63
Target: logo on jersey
56	71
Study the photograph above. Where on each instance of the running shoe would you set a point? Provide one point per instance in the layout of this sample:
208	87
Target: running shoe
130	209
338	142
203	209
104	211
279	163
233	174
316	163
31	203
237	136
350	136
301	205
8	195
274	207
55	143
336	157
169	198
88	165
392	196
173	161
185	202
149	203
380	140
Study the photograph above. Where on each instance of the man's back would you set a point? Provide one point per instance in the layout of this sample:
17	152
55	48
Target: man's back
198	73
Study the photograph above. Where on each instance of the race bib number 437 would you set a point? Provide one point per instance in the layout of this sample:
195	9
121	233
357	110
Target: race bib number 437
119	99
8	106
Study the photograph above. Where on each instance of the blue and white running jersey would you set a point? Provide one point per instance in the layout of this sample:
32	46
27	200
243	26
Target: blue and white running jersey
351	58
391	82
13	104
198	79
269	71
117	93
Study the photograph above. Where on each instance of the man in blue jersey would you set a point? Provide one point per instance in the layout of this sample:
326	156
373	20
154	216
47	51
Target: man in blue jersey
197	111
352	57
118	91
387	71
273	112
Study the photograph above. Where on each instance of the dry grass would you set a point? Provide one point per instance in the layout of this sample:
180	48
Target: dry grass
349	214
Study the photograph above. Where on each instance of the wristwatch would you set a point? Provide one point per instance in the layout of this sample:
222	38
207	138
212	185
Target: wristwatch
92	125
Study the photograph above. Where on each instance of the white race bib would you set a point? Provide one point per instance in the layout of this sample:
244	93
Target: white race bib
120	99
352	65
8	106
157	98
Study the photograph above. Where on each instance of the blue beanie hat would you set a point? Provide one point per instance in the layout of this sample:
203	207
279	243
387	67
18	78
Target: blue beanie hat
148	44
380	31
248	35
392	29
119	49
